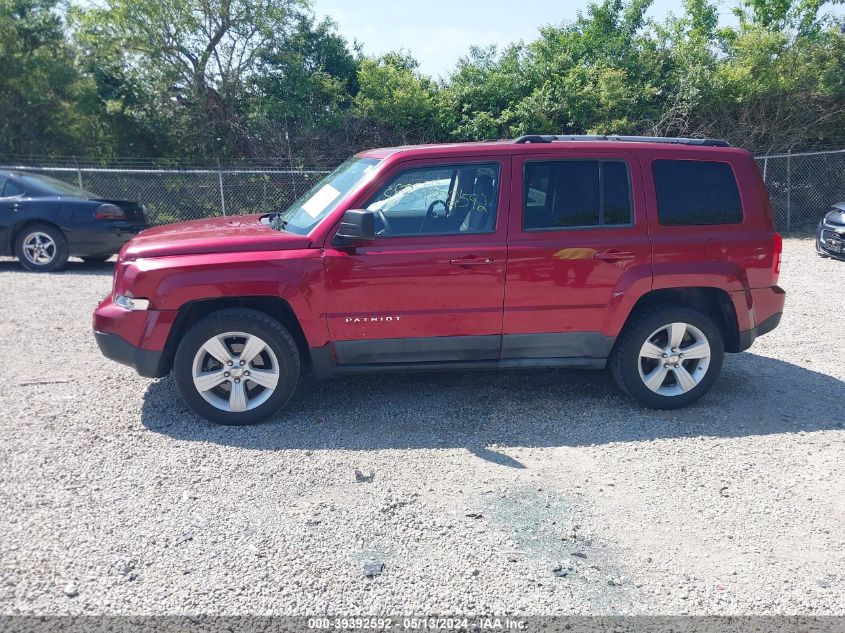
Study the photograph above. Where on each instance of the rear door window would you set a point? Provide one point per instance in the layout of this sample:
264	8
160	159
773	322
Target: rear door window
562	194
694	192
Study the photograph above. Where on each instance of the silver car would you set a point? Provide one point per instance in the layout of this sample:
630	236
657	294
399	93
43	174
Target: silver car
830	235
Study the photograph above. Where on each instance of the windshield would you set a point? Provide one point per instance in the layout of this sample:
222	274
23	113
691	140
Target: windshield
45	184
307	212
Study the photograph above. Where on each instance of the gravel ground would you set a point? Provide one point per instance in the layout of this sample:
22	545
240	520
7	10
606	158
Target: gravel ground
533	492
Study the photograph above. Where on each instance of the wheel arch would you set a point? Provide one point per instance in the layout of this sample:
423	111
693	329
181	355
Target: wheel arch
18	228
192	311
714	302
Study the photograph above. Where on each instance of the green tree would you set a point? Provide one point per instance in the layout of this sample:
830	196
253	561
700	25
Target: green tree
598	74
778	80
689	50
263	78
304	89
40	87
481	90
195	55
394	101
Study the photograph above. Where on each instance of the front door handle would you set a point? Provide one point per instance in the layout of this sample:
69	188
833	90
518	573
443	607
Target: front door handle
614	256
471	261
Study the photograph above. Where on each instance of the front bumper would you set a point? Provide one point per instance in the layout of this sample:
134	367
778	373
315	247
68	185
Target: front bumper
830	241
137	338
146	362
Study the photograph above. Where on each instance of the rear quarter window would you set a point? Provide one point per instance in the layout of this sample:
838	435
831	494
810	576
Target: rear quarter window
11	189
694	192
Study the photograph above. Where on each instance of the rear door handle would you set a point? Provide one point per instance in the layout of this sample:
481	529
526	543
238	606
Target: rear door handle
471	261
614	255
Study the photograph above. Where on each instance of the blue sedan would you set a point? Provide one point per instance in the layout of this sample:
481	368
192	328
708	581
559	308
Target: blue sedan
43	221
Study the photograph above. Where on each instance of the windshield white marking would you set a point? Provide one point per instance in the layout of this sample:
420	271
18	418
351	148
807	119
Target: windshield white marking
320	200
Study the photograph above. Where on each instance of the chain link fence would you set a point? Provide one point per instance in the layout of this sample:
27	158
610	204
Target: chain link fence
189	194
802	187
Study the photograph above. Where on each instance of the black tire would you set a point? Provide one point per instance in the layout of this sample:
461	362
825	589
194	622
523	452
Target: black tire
251	322
59	253
93	260
625	359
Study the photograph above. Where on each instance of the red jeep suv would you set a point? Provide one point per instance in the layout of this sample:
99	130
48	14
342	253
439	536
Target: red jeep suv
650	256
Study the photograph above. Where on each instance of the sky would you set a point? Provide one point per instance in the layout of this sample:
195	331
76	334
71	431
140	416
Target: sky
438	32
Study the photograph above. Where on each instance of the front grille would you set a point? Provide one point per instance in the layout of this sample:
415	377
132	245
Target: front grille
827	234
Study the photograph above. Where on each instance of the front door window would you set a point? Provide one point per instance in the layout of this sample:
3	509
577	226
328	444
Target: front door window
442	200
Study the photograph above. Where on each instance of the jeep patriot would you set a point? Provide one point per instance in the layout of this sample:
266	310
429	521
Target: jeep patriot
650	256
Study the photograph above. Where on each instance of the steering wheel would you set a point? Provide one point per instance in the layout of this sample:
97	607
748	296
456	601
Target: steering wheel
431	213
384	221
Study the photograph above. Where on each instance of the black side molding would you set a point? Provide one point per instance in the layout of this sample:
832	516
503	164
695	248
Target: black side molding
146	362
324	365
587	350
557	345
418	350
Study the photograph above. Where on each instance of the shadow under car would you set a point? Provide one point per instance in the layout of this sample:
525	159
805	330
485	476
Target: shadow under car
755	395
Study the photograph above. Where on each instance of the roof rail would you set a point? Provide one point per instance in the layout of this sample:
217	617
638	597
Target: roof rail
677	140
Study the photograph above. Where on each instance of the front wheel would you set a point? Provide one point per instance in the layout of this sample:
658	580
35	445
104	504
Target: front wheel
237	366
667	358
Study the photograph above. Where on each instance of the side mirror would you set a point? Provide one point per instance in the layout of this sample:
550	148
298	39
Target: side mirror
357	226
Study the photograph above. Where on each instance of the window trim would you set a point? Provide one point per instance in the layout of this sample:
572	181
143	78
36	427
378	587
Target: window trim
19	185
469	163
582	227
696	160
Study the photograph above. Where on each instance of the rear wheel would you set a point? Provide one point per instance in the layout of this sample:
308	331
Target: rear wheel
668	357
237	366
41	248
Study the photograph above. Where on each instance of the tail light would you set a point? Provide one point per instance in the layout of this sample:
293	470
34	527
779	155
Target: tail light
109	211
777	249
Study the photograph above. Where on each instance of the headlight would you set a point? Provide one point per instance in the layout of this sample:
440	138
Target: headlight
131	303
834	218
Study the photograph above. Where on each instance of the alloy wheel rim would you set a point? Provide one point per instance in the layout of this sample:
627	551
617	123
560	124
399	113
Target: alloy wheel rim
39	248
674	359
235	371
